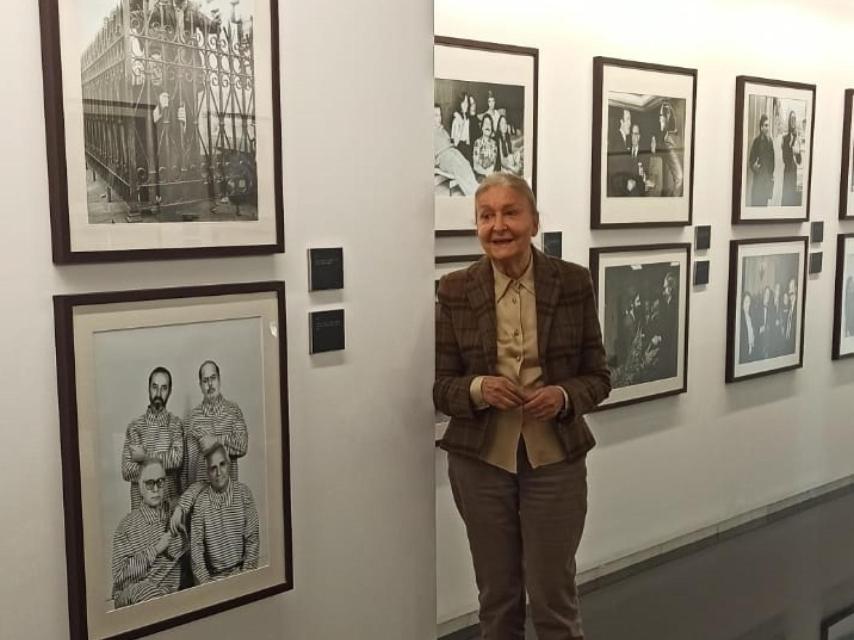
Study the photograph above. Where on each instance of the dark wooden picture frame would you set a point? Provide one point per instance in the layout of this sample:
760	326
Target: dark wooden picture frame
846	181
828	623
765	341
778	212
442	230
170	185
843	321
645	211
259	305
647	354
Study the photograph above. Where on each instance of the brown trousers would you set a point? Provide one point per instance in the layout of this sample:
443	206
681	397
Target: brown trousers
523	531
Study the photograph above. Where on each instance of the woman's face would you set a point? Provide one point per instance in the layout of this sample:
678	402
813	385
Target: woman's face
487	127
505	223
793	121
502	126
491	102
472	106
745	303
464	103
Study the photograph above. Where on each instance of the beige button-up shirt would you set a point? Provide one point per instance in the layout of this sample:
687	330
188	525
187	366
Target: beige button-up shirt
518	360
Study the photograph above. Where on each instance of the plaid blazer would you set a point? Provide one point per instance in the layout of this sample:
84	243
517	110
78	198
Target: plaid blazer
569	342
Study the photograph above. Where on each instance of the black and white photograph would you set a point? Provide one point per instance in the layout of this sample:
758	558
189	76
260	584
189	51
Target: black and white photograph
181	432
843	311
839	626
171	128
482	123
484	120
773	150
766	306
643	144
846	186
643	309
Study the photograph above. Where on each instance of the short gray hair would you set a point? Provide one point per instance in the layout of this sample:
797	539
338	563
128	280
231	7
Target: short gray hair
510	181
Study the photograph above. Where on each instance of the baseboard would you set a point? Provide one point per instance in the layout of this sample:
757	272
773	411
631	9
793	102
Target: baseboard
629	565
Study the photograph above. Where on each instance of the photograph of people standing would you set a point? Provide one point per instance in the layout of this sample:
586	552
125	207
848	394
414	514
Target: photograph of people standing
778	148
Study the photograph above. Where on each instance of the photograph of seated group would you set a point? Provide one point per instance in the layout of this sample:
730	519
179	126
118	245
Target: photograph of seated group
174	454
484	120
643	144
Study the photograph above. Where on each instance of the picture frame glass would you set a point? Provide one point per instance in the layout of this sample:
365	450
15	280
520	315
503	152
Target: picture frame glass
484	121
120	351
776	148
644	164
643	310
845	291
170	115
848	149
766	312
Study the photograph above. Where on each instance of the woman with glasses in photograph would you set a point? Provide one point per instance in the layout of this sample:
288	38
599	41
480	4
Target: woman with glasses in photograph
485	156
460	129
508	160
671	141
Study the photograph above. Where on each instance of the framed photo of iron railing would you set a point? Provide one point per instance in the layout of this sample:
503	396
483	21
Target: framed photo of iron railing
175	456
163	128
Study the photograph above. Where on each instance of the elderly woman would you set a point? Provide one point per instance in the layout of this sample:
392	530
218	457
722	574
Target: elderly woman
519	361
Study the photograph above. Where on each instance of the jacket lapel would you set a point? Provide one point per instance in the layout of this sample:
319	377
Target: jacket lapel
547	284
480	290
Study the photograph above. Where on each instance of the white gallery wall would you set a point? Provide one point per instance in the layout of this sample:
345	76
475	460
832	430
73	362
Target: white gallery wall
670	467
356	83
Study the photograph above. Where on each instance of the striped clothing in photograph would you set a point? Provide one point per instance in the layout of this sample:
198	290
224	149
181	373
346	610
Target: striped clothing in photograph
223	420
223	532
139	573
161	435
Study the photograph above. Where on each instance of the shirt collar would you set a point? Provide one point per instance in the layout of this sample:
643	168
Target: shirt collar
503	282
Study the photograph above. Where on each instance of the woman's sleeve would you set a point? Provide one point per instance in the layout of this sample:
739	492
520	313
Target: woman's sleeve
451	387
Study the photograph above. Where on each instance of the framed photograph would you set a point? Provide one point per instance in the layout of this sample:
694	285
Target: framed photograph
766	309
174	433
846	185
643	293
843	308
839	626
484	120
163	128
772	167
643	144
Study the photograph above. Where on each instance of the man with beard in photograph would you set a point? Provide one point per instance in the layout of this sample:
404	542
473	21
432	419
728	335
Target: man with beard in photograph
157	433
145	554
447	160
213	421
792	157
761	164
224	528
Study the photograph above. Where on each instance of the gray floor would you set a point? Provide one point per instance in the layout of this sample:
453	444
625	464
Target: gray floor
774	582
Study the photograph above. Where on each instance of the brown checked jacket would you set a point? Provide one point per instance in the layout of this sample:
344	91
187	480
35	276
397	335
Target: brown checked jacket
569	342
